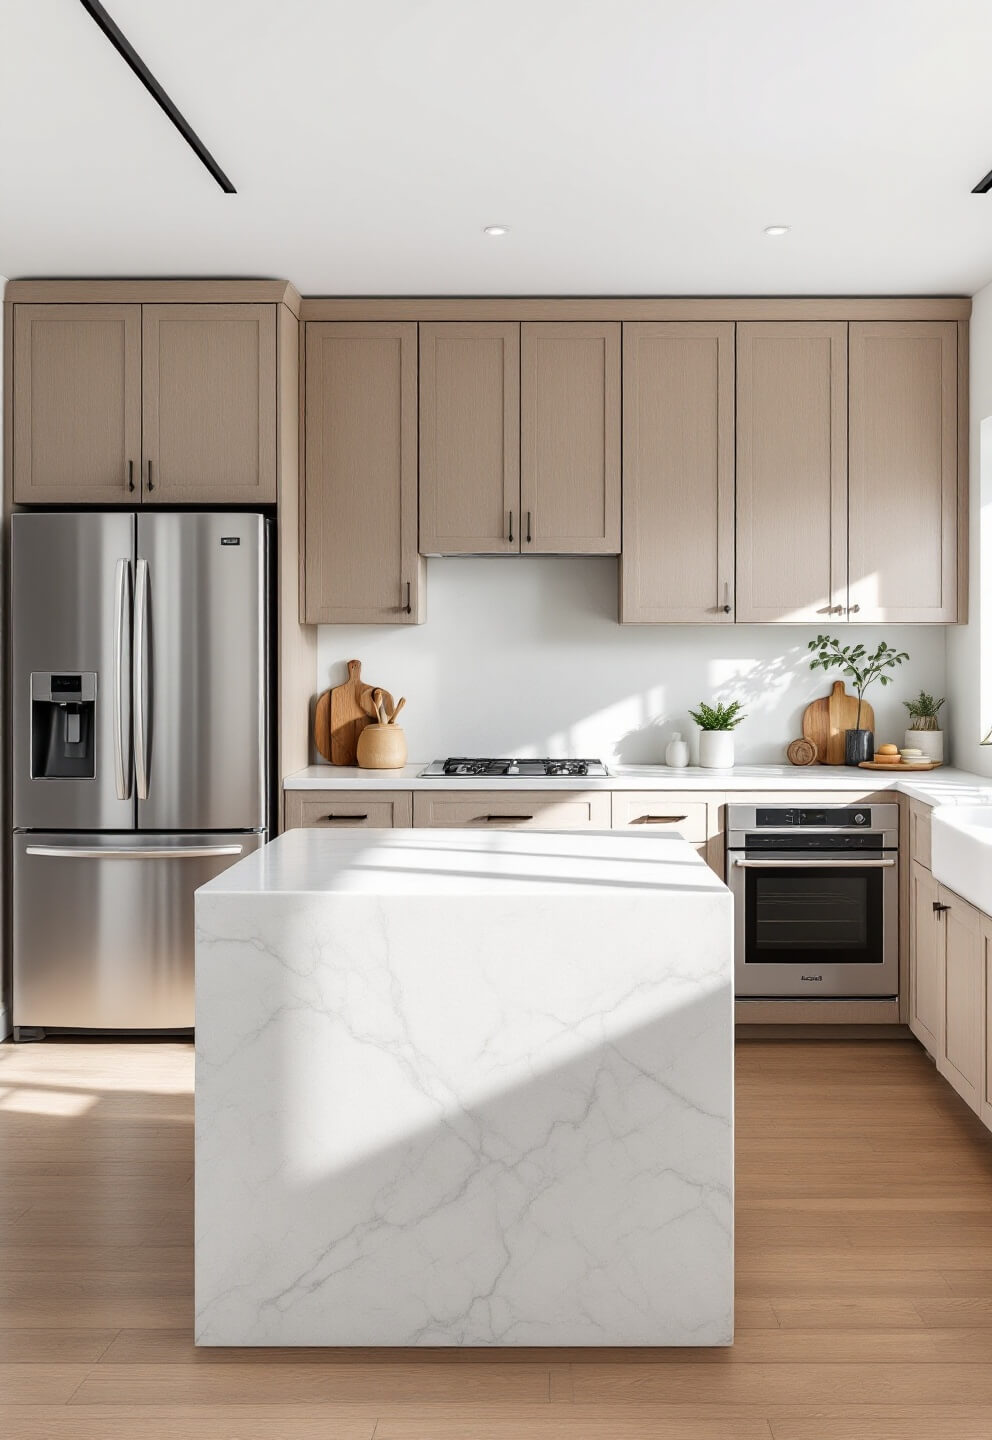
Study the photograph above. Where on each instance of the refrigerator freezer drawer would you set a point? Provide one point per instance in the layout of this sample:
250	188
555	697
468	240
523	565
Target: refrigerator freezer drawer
104	926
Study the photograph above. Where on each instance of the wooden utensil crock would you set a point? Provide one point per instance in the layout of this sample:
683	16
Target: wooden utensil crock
382	747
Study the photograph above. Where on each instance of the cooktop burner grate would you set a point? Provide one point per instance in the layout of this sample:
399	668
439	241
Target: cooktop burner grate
469	766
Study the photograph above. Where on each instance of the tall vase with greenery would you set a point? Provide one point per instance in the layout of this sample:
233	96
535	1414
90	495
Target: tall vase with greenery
924	731
864	668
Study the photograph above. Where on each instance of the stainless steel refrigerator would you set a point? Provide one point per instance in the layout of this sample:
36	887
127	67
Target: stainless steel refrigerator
141	728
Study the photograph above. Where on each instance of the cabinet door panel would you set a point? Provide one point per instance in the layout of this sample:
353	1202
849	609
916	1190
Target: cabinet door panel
961	1057
360	494
926	937
678	473
570	439
986	1098
513	810
791	471
209	404
469	438
77	404
903	471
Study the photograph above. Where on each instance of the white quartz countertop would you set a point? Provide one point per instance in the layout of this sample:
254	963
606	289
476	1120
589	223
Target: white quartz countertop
467	862
945	786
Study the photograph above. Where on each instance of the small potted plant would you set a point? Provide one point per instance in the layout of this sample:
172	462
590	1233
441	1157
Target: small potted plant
864	669
924	731
717	723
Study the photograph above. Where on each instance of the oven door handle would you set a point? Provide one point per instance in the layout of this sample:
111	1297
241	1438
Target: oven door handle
744	864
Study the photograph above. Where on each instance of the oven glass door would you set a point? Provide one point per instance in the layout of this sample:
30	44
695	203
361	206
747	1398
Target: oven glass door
819	926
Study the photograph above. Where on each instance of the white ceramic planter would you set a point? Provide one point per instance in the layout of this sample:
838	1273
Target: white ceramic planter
931	742
716	749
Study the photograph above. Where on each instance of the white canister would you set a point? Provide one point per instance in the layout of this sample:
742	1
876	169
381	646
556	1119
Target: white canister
716	749
931	742
677	752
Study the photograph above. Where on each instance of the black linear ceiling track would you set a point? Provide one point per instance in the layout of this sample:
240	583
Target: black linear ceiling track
127	51
984	185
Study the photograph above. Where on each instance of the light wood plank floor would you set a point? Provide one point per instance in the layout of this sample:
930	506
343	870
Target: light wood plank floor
864	1278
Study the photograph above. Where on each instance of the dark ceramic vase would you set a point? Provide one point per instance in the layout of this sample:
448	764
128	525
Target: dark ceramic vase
858	745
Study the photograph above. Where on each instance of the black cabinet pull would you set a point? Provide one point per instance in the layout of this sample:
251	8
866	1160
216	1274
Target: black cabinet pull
490	818
130	476
939	909
528	527
408	607
510	535
151	482
346	817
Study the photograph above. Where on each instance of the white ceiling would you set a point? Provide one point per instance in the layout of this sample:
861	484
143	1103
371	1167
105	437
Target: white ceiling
633	146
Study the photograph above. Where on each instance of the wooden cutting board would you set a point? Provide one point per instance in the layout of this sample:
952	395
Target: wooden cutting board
825	721
881	765
342	714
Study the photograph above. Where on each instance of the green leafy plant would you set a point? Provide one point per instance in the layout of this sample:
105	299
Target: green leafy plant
718	716
855	661
923	711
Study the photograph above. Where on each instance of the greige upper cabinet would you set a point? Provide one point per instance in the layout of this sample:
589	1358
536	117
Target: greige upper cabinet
77	404
791	471
903	470
678	472
209	404
360	491
124	404
469	438
570	438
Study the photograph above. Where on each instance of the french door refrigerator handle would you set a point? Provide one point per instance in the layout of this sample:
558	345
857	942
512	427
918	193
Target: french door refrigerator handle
140	679
122	681
812	864
133	852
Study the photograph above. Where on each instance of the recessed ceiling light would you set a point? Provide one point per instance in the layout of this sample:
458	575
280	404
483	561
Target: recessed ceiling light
497	230
777	229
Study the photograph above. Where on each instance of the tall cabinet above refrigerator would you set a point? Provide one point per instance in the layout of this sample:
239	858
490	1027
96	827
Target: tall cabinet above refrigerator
141	738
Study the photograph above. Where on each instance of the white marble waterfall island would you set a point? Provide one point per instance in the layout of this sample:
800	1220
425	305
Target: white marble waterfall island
462	1088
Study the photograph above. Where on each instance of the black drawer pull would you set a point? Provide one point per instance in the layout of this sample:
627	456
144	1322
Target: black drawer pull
489	818
659	819
346	817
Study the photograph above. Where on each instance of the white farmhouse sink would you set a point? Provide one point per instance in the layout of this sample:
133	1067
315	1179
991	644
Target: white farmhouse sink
961	851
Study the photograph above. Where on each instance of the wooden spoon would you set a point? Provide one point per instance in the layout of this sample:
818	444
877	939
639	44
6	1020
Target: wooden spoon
399	707
379	709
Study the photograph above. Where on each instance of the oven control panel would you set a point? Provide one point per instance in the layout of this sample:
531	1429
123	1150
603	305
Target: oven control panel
855	818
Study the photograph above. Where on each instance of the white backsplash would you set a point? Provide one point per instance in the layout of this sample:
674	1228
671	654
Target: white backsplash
523	655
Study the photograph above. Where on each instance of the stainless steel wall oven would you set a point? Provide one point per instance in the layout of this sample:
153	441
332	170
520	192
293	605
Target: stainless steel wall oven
816	900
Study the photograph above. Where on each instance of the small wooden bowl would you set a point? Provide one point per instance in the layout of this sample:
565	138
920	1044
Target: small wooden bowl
382	747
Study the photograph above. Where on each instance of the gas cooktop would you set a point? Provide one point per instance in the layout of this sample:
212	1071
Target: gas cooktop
460	766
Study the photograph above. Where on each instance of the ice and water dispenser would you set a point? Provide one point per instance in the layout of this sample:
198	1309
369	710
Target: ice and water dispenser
62	725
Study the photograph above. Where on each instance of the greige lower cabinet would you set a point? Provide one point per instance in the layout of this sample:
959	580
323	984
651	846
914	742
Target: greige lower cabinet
925	938
516	810
961	950
695	819
348	809
986	1098
950	984
360	468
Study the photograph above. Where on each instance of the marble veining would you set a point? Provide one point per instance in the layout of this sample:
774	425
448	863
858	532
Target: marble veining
498	1115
